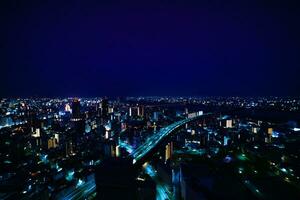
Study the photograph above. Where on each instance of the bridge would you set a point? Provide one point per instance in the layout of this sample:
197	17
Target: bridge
137	154
88	188
151	142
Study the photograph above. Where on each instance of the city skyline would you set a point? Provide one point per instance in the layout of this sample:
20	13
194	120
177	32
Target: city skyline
149	148
158	100
91	49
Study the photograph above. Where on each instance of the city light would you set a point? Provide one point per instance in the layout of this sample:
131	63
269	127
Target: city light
169	148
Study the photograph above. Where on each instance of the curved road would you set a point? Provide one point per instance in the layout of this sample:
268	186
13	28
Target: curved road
88	188
153	140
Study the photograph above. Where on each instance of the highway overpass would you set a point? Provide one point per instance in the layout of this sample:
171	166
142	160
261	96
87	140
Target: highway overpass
151	142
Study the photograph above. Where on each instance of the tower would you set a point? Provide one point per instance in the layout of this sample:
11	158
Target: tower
104	108
76	115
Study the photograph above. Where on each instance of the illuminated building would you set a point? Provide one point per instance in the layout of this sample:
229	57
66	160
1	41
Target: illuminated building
191	115
155	116
255	129
78	123
225	140
107	134
118	153
68	108
169	151
193	132
88	127
269	135
37	137
130	112
56	136
36	133
229	123
52	143
140	111
154	127
110	110
133	111
270	131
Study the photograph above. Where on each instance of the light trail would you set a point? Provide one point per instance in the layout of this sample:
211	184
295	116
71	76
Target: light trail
162	189
153	140
83	191
88	188
126	146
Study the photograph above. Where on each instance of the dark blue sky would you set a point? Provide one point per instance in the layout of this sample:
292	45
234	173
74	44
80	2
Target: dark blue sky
94	49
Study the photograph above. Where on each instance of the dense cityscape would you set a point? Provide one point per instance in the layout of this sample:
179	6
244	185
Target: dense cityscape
150	148
149	100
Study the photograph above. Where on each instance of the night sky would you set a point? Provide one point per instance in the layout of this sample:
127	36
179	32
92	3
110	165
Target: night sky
247	48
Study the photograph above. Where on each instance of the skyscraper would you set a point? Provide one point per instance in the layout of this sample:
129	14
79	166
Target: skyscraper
140	111
104	108
169	151
76	115
116	179
78	124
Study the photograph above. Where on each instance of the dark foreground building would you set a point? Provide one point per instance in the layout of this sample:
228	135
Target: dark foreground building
116	179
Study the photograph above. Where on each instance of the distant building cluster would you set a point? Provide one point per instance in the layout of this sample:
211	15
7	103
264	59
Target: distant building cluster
149	148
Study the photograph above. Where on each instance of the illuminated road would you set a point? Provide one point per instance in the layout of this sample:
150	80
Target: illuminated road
82	191
13	124
126	146
153	140
162	189
88	188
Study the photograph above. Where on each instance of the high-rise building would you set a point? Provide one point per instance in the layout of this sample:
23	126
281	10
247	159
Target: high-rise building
130	111
116	179
118	151
104	108
78	124
225	140
229	123
140	111
56	136
169	151
52	143
154	127
269	135
69	147
110	149
37	140
76	114
155	116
